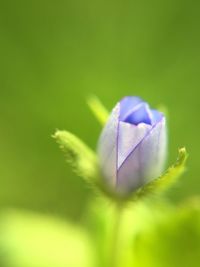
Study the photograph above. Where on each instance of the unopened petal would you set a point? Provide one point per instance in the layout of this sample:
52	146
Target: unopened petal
107	147
156	116
154	151
127	104
145	162
141	114
129	136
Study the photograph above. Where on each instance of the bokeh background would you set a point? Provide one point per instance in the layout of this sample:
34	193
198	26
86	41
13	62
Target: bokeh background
53	54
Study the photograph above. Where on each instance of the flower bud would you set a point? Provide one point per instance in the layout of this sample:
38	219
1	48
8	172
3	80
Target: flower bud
132	146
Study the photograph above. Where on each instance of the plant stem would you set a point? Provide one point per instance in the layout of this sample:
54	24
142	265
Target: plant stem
115	237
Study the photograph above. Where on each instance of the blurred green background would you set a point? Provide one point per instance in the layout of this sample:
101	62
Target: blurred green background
53	54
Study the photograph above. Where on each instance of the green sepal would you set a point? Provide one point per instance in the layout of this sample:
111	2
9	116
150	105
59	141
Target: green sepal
165	181
163	109
98	109
85	164
79	155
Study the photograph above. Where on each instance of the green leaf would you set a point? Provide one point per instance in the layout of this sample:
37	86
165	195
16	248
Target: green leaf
78	154
171	241
29	239
97	108
166	180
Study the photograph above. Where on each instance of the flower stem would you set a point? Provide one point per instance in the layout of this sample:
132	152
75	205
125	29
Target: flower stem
115	236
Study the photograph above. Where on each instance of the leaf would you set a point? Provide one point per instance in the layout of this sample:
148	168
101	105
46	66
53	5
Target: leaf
171	241
79	155
97	108
166	180
36	240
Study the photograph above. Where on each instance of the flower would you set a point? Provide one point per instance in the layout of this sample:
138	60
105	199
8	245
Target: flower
132	147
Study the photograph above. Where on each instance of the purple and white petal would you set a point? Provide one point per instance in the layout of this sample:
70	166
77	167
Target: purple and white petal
129	136
153	152
107	147
145	162
132	147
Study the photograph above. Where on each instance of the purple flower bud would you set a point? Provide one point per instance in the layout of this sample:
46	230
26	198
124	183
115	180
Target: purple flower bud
132	147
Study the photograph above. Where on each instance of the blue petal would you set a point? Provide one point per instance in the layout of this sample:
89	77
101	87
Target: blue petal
156	116
142	114
127	104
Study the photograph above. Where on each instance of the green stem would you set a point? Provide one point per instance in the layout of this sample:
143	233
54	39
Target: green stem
115	237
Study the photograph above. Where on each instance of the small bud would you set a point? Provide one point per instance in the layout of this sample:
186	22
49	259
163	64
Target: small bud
133	145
